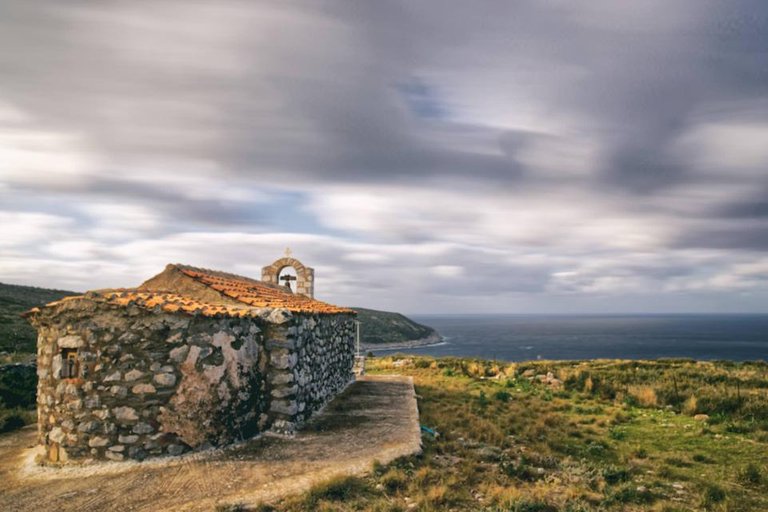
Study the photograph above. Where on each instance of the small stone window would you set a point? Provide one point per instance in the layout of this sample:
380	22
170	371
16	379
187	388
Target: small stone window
69	363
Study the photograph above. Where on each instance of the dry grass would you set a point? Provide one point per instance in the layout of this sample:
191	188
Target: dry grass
616	436
645	395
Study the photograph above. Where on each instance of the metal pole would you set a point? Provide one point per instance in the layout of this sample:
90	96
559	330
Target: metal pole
357	337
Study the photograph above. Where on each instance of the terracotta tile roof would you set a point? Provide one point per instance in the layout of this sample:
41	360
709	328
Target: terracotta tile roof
242	297
258	294
173	303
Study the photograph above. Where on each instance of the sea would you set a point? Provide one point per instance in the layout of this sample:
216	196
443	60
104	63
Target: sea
569	337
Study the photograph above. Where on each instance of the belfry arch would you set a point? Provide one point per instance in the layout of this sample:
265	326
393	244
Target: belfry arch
305	276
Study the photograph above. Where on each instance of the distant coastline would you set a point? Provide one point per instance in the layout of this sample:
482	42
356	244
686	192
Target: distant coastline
433	339
576	338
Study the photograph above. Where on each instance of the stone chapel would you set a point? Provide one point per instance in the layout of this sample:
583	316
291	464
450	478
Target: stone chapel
189	359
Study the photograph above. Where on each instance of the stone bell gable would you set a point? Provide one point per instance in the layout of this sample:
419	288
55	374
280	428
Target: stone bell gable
305	276
191	358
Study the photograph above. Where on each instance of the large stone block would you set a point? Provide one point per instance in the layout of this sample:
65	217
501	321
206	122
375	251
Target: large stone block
71	341
284	407
125	414
165	379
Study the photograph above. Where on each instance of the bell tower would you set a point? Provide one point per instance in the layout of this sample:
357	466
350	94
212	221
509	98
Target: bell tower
304	278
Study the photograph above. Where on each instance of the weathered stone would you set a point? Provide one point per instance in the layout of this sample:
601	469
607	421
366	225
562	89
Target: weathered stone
119	391
98	442
143	388
56	435
179	353
116	456
133	375
130	439
137	453
282	360
89	426
116	448
102	414
175	449
284	391
125	414
283	407
92	402
143	428
281	378
174	338
279	316
71	341
165	379
281	344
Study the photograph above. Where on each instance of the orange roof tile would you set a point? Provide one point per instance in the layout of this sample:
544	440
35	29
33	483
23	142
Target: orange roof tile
253	297
257	293
172	303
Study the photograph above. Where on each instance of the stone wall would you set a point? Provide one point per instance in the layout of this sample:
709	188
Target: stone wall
150	383
311	361
147	383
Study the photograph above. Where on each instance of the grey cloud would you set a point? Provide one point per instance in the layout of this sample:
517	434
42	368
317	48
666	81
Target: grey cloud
735	237
425	96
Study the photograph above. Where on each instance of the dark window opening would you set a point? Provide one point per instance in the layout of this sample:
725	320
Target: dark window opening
69	363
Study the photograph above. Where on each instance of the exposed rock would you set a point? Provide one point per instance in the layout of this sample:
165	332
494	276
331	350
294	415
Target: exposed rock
71	342
175	449
179	353
279	316
143	388
143	428
56	435
119	391
165	379
98	442
133	375
114	455
125	413
113	377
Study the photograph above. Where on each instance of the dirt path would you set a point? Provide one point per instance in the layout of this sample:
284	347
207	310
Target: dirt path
376	418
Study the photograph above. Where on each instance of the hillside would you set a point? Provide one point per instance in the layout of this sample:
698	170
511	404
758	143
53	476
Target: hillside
570	436
377	327
16	335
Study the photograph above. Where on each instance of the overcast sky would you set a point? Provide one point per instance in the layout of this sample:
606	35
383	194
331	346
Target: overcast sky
422	156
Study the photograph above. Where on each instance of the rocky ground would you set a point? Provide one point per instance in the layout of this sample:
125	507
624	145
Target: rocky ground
375	419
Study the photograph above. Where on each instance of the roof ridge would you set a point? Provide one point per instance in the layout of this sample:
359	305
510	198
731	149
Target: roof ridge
248	296
217	273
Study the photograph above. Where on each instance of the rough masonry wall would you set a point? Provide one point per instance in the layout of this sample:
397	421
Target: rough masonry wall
311	360
148	383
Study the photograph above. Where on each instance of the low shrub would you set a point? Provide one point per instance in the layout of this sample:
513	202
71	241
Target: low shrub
394	480
340	488
614	475
502	396
531	506
713	494
700	457
751	474
629	493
